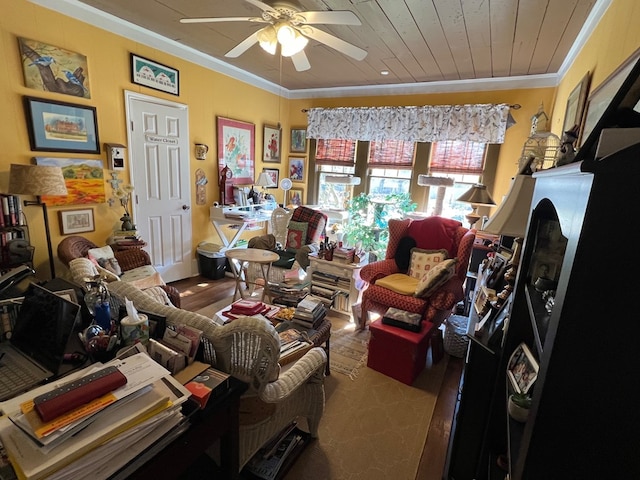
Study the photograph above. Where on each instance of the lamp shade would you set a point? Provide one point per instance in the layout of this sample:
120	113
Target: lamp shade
431	181
477	195
264	180
512	215
36	180
342	180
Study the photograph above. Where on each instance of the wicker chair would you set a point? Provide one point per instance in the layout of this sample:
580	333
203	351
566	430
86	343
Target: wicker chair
249	349
76	246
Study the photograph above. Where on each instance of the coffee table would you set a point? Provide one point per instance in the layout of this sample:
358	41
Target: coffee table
239	258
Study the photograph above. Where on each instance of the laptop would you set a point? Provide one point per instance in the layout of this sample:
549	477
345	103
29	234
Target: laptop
38	341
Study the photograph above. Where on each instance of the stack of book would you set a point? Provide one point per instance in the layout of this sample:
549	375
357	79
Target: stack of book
126	238
288	296
310	312
248	308
344	254
293	345
11	211
102	435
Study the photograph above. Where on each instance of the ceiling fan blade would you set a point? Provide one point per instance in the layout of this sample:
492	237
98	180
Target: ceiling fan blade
334	42
263	6
221	19
244	45
300	61
336	17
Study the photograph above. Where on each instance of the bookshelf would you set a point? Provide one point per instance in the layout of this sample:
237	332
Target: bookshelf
15	246
340	280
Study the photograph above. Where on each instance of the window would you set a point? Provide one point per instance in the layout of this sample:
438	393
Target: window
390	167
334	157
464	162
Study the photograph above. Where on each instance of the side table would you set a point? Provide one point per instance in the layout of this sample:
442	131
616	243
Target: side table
239	258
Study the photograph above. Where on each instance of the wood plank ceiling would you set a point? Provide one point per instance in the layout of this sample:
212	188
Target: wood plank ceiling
414	40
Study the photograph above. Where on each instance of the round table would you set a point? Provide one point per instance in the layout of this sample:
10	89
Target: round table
240	257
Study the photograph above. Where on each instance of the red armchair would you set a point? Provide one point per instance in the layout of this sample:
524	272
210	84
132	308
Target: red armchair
429	233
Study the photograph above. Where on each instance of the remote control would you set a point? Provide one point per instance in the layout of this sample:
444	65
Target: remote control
78	392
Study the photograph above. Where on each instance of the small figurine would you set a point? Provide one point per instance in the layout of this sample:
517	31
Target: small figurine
567	150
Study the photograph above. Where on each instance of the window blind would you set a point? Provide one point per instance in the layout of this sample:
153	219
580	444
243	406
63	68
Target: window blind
336	152
391	153
457	157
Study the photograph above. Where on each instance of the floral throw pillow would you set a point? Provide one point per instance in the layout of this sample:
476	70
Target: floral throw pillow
436	277
424	260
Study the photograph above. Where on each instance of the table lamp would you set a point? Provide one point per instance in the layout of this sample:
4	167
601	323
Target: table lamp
38	180
477	196
264	181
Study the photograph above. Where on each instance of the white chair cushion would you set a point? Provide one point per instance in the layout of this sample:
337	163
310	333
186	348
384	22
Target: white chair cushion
142	277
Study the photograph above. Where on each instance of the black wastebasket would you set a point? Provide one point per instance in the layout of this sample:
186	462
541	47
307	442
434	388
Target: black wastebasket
211	264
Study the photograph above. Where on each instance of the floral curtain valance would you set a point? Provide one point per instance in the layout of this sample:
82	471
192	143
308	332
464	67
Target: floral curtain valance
484	123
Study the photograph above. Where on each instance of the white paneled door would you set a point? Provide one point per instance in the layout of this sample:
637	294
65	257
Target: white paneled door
158	137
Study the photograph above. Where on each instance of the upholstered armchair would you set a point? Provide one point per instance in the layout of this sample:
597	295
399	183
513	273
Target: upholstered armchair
432	233
134	265
302	237
249	349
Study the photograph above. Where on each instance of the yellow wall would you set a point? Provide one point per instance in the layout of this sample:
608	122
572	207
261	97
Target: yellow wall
209	94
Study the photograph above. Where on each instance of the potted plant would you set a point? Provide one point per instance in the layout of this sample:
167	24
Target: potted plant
519	405
369	216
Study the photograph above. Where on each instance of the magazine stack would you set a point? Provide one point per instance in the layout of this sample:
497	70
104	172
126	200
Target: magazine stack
310	312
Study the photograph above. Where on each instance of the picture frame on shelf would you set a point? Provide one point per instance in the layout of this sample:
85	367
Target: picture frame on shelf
298	140
274	173
152	74
236	149
272	144
296	169
55	126
295	196
76	221
522	369
576	103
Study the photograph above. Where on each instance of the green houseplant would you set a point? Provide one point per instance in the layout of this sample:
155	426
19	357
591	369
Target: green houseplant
369	219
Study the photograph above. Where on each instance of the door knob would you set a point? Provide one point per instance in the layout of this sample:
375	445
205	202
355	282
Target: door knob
186	207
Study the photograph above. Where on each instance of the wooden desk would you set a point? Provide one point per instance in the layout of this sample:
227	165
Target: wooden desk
219	420
240	257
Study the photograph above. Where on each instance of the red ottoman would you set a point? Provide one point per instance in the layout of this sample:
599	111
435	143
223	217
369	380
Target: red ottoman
398	353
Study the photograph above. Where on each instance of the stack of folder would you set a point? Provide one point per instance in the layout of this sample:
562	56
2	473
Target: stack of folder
102	436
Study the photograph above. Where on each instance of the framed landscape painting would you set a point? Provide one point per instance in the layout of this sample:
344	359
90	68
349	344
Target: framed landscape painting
83	177
76	221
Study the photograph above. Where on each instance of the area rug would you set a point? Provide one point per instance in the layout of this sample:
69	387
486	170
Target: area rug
348	349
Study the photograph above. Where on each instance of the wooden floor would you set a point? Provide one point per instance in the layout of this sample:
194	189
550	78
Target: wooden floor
199	292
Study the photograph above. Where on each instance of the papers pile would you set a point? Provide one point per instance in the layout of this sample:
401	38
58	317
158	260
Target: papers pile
98	439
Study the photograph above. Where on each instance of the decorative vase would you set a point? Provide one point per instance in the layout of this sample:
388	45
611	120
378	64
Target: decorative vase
127	224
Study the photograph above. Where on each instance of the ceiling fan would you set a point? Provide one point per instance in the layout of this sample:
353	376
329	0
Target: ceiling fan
291	28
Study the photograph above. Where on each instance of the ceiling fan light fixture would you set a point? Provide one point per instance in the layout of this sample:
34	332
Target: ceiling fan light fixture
295	46
268	39
285	33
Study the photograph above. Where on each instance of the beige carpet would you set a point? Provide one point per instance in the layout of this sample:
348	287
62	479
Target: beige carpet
374	427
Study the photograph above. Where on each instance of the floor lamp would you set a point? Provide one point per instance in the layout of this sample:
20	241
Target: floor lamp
477	196
38	180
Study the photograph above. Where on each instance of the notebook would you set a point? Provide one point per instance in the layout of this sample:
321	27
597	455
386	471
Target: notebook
35	352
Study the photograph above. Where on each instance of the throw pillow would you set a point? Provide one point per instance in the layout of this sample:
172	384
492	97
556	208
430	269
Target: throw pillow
403	253
110	264
296	235
424	260
103	252
436	277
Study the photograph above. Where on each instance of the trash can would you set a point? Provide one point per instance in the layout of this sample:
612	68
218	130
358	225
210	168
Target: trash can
211	260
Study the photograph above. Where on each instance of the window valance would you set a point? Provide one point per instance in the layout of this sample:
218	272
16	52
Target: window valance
483	123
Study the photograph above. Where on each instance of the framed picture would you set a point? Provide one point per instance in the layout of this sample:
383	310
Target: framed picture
272	144
61	127
69	294
69	75
575	104
236	149
83	177
601	97
76	221
154	75
295	196
296	169
274	173
298	140
522	369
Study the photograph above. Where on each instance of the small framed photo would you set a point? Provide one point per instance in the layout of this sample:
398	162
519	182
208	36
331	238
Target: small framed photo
76	221
61	127
296	169
295	196
274	173
154	75
522	369
69	294
298	140
272	144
